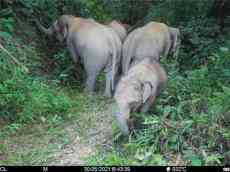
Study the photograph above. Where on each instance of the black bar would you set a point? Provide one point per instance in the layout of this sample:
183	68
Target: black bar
114	168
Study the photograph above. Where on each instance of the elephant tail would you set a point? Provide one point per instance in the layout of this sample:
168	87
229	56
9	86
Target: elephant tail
126	56
116	56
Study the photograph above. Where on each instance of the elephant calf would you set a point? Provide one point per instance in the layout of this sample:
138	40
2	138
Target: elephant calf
152	40
138	89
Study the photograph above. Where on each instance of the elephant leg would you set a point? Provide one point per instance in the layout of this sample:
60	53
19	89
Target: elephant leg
145	107
108	86
90	82
72	51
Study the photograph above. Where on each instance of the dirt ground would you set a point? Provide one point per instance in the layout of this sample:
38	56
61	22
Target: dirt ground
85	144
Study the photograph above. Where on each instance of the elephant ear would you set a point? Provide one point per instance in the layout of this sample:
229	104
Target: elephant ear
61	29
147	90
175	40
65	31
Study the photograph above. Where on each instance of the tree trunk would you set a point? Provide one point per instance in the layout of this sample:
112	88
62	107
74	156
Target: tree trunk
219	10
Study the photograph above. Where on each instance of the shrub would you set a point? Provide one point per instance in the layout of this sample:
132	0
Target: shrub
177	11
25	98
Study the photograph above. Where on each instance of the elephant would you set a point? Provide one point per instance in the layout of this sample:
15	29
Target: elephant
137	90
152	40
96	46
119	28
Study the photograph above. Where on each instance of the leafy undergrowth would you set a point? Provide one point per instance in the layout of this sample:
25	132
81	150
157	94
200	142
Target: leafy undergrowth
36	109
56	140
189	124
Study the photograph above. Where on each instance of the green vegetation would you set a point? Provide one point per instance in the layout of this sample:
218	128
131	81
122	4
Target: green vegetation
190	121
189	124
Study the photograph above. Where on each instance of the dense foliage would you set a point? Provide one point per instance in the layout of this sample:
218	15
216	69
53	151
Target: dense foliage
190	123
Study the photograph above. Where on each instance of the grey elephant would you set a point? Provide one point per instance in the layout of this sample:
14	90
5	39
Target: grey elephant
152	40
137	90
95	45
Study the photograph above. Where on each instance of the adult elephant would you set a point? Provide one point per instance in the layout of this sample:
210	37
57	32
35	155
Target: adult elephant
152	40
95	45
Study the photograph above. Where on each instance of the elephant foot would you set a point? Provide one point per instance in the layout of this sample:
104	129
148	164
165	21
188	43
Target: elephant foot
89	92
131	124
108	95
144	109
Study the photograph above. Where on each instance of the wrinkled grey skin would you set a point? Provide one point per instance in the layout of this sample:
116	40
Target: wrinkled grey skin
137	90
97	47
152	40
119	28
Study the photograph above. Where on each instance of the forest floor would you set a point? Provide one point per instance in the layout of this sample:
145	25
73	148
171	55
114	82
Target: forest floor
95	137
70	143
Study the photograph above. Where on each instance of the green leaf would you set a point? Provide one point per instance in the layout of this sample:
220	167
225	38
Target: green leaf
226	90
213	159
191	156
196	162
5	35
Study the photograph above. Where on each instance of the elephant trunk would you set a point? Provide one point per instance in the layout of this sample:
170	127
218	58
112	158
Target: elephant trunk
122	123
48	31
122	117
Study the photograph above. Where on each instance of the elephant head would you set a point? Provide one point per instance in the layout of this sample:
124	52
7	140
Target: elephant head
59	28
175	41
145	91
